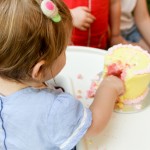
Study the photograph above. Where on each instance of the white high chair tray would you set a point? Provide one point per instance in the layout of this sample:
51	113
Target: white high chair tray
130	131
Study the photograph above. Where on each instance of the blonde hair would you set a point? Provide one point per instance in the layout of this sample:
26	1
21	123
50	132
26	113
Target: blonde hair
28	36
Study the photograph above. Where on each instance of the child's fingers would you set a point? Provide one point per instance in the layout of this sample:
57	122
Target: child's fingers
116	83
119	85
91	16
89	20
86	25
85	9
83	28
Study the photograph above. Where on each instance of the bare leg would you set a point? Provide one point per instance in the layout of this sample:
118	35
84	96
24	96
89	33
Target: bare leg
144	45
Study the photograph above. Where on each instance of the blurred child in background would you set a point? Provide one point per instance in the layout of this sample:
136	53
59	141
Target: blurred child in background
135	23
91	21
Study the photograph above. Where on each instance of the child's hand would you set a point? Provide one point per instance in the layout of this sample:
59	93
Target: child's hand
82	17
117	39
113	82
102	107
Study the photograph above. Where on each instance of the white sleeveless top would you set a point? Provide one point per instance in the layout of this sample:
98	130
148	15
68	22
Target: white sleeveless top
127	19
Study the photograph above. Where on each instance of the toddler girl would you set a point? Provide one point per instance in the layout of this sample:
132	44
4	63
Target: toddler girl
34	36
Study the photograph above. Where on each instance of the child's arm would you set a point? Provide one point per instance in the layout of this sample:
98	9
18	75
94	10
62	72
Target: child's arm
82	17
103	104
142	19
115	12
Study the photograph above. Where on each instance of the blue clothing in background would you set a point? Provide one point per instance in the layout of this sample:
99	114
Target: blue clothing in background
33	119
132	35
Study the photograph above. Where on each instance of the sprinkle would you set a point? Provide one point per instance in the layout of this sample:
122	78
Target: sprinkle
120	105
79	76
79	91
79	97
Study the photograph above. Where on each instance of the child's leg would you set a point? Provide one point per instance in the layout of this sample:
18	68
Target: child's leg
133	35
144	45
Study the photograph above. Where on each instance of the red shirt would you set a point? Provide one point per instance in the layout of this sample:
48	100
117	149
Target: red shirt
97	34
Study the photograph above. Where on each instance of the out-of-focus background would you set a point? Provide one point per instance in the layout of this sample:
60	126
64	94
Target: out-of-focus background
148	2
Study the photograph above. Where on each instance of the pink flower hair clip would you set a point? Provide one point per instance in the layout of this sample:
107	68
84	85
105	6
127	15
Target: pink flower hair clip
50	10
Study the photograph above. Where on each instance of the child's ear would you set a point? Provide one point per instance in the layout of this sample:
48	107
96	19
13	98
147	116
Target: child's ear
37	70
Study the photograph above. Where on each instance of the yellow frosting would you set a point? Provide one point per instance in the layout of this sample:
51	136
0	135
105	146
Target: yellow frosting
135	66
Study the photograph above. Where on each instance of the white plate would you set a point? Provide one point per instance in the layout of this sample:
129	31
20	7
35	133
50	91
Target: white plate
124	131
82	66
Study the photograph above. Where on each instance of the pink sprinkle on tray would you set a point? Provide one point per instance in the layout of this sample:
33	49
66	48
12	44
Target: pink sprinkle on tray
79	76
79	97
